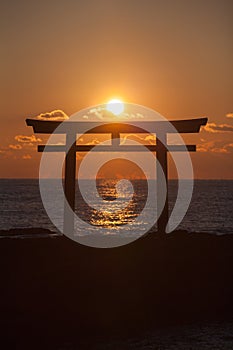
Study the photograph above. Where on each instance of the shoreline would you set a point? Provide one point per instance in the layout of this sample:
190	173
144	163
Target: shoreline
36	232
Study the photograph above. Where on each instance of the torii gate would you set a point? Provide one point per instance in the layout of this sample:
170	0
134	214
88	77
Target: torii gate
72	128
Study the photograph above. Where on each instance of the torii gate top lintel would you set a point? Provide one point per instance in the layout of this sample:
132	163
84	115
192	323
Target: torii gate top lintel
180	126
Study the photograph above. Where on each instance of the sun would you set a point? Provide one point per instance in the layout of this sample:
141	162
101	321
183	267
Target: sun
115	106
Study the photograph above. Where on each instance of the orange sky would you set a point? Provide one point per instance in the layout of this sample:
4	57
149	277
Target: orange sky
173	56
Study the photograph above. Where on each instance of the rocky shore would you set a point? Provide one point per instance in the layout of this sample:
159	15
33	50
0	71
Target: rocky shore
55	291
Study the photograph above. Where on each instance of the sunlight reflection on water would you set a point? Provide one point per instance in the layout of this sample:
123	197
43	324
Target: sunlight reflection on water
211	208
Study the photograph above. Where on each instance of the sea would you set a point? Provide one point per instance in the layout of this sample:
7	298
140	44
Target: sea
210	209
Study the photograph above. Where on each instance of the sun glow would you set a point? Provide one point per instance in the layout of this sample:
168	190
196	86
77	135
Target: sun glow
115	106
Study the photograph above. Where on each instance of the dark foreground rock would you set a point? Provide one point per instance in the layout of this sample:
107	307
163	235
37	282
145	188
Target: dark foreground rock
55	291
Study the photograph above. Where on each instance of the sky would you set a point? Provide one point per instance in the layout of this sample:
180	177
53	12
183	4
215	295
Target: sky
172	56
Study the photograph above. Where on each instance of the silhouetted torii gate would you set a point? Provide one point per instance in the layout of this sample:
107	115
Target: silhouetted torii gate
72	128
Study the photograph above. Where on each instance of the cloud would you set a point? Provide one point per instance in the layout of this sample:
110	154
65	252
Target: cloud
27	139
26	156
87	140
229	147
215	147
205	146
215	128
57	114
219	150
148	139
229	115
93	142
5	151
151	139
101	113
15	147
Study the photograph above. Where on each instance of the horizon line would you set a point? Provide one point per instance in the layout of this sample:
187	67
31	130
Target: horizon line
102	178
